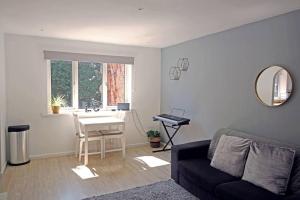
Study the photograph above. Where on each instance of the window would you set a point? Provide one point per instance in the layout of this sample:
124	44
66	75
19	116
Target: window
61	80
89	84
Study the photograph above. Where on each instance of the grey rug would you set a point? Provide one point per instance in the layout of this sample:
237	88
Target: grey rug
166	190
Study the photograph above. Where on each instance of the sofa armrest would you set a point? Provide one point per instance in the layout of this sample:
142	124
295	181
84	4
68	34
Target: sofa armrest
295	196
187	151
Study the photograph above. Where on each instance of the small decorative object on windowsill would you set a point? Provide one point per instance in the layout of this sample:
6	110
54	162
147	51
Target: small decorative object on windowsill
87	109
154	138
56	103
183	64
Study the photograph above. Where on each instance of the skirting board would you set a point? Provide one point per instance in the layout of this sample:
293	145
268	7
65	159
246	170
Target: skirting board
50	155
3	167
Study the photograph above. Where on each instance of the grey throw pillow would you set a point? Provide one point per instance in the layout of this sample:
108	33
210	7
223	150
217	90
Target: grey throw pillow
269	167
231	154
214	142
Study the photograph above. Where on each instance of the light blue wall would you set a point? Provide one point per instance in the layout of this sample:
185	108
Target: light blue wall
218	89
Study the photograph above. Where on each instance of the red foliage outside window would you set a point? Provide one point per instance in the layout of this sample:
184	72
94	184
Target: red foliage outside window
115	84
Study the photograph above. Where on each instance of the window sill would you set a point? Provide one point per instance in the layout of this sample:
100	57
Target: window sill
70	113
57	115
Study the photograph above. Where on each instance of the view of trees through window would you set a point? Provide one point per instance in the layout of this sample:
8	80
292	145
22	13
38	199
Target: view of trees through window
61	80
90	84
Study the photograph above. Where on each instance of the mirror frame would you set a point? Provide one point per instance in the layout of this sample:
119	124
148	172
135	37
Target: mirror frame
256	80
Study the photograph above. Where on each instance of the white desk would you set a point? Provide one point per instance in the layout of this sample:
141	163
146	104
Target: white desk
96	123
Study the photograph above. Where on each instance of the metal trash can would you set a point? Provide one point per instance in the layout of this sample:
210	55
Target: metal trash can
18	144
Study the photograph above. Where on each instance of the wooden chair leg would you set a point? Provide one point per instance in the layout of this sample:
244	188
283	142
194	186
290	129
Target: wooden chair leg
76	147
101	149
123	140
80	150
104	148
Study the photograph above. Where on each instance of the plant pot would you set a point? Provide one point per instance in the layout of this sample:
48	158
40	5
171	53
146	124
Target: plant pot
55	109
155	142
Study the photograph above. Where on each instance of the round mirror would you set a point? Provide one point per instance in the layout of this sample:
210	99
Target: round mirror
274	86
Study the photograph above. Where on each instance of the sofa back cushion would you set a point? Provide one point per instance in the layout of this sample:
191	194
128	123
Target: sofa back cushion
231	155
294	183
269	167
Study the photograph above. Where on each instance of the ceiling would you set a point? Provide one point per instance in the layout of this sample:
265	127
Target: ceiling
151	23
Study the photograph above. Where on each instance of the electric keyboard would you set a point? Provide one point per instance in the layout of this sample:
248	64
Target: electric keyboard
173	122
171	119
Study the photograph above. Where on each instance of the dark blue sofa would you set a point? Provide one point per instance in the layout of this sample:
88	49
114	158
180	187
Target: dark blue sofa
191	169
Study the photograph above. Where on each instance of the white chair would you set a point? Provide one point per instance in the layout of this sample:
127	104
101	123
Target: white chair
115	132
92	136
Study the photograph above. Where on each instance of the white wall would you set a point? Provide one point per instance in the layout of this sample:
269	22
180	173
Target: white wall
2	103
26	89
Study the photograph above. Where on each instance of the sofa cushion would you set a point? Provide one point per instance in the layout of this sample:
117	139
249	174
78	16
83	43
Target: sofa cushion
294	185
231	155
269	167
214	142
200	173
243	190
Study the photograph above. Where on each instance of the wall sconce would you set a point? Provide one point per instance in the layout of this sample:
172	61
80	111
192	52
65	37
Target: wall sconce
183	64
174	73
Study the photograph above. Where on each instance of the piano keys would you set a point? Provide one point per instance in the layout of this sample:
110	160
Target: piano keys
171	119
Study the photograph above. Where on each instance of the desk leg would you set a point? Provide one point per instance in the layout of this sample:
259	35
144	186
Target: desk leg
86	148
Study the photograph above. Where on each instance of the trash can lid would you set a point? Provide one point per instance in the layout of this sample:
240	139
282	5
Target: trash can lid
18	128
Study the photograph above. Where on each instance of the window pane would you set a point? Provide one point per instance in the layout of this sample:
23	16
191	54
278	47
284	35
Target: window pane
115	84
61	80
90	84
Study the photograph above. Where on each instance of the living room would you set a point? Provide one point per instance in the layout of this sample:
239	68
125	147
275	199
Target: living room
83	87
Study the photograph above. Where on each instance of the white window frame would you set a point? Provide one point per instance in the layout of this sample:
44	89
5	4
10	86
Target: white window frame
75	81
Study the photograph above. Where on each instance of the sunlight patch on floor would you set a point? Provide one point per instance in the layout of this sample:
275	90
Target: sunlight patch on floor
3	196
84	172
151	161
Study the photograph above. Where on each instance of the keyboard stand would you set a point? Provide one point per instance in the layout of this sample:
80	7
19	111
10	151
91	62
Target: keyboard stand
176	129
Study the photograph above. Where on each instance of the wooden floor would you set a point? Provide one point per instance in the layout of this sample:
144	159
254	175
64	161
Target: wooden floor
59	178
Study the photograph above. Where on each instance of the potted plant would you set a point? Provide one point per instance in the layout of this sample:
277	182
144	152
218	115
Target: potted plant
154	138
57	102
